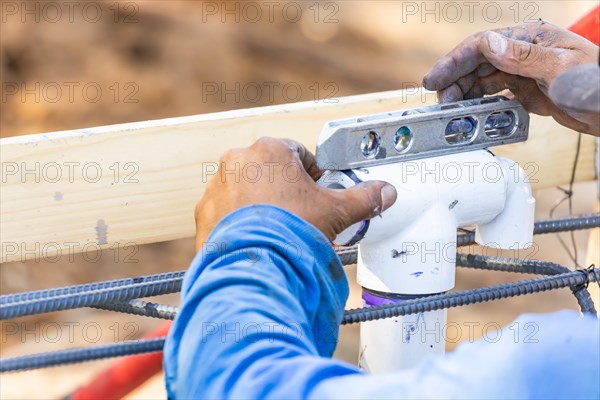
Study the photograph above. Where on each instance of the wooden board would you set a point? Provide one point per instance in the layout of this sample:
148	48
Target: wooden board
86	189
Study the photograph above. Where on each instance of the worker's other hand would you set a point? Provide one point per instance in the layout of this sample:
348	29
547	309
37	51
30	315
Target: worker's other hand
521	62
282	173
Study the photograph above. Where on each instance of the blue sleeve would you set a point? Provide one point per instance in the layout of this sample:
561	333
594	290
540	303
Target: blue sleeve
261	306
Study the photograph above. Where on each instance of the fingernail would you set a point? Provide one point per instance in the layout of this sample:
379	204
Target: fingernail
431	81
450	94
388	196
498	43
425	82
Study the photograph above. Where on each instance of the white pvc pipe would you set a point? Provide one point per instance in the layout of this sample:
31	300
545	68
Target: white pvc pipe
398	343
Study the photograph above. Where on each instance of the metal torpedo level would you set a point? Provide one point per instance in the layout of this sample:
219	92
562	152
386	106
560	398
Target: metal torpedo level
437	159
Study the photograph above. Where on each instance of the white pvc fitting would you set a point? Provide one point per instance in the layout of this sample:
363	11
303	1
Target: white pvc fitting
410	249
513	227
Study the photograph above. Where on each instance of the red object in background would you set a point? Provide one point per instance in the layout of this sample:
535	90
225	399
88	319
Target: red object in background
125	374
589	26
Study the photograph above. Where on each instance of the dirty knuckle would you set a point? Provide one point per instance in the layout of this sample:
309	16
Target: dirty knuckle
475	39
523	52
266	141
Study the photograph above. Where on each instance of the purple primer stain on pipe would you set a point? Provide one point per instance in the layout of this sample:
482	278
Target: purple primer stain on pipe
417	274
374	300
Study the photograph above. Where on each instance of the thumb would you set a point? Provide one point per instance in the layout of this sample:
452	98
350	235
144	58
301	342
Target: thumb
517	57
367	200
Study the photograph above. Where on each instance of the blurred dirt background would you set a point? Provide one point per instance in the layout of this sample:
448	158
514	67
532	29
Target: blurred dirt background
157	59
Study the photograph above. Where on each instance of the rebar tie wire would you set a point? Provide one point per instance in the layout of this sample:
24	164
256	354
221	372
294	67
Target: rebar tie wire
142	308
578	278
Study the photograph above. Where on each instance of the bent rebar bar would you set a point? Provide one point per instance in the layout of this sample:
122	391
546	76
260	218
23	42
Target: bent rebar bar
527	267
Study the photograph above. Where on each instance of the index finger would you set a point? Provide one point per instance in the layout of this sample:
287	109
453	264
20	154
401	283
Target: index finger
308	160
467	57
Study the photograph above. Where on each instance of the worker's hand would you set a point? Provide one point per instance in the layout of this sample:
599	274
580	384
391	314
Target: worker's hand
283	173
523	62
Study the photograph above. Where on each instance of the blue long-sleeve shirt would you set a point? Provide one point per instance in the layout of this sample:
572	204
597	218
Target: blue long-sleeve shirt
261	306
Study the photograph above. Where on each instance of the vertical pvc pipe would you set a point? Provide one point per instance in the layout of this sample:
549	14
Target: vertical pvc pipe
395	343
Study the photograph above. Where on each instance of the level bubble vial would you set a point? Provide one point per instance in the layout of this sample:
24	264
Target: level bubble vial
460	130
370	144
402	139
500	124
